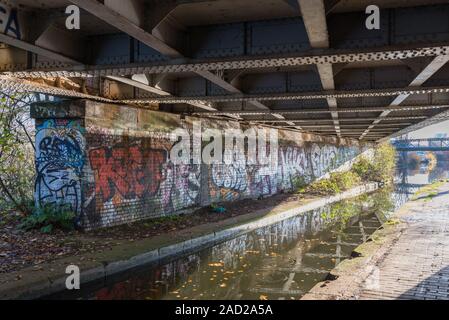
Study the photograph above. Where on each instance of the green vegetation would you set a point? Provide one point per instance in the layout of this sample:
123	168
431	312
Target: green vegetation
49	218
338	181
345	180
382	201
393	222
174	218
16	155
430	191
299	182
378	169
340	213
323	187
363	168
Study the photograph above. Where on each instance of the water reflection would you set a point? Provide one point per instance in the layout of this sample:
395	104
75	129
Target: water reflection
417	169
281	261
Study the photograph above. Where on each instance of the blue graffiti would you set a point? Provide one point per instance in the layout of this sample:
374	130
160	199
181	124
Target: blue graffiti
60	160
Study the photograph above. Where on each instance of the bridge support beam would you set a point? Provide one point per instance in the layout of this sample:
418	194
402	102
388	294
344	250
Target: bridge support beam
114	164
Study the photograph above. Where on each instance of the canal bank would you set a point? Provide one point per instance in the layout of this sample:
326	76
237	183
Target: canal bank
407	258
50	278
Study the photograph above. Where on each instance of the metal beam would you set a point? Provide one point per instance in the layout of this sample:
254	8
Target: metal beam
356	126
353	120
126	25
298	96
340	110
126	21
21	44
443	116
22	85
247	62
157	91
314	16
358	129
436	64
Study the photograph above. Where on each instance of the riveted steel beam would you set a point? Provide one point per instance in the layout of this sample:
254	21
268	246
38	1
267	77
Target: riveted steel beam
340	110
157	91
442	116
127	24
436	64
22	85
129	20
314	15
297	96
175	66
354	120
357	126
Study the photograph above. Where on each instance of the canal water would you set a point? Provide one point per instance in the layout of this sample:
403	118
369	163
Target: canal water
281	261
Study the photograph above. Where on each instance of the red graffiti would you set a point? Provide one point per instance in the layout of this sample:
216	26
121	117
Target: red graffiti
131	171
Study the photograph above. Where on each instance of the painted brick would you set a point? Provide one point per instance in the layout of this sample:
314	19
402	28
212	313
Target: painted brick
112	163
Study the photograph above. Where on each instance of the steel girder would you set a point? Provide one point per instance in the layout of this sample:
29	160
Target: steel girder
217	54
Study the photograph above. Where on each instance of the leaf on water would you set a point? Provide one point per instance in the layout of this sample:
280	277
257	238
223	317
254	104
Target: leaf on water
215	264
263	297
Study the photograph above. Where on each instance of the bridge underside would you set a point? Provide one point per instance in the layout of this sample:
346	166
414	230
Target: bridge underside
430	145
308	65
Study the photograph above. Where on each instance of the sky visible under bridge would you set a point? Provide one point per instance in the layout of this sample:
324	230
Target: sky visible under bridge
433	131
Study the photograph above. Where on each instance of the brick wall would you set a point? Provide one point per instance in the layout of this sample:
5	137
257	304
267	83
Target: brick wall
112	164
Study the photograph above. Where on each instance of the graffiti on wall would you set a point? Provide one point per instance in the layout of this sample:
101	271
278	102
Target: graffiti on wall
137	174
181	186
232	176
322	158
115	178
292	164
60	146
131	171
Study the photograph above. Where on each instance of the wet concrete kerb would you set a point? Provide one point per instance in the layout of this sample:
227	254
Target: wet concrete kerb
30	284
